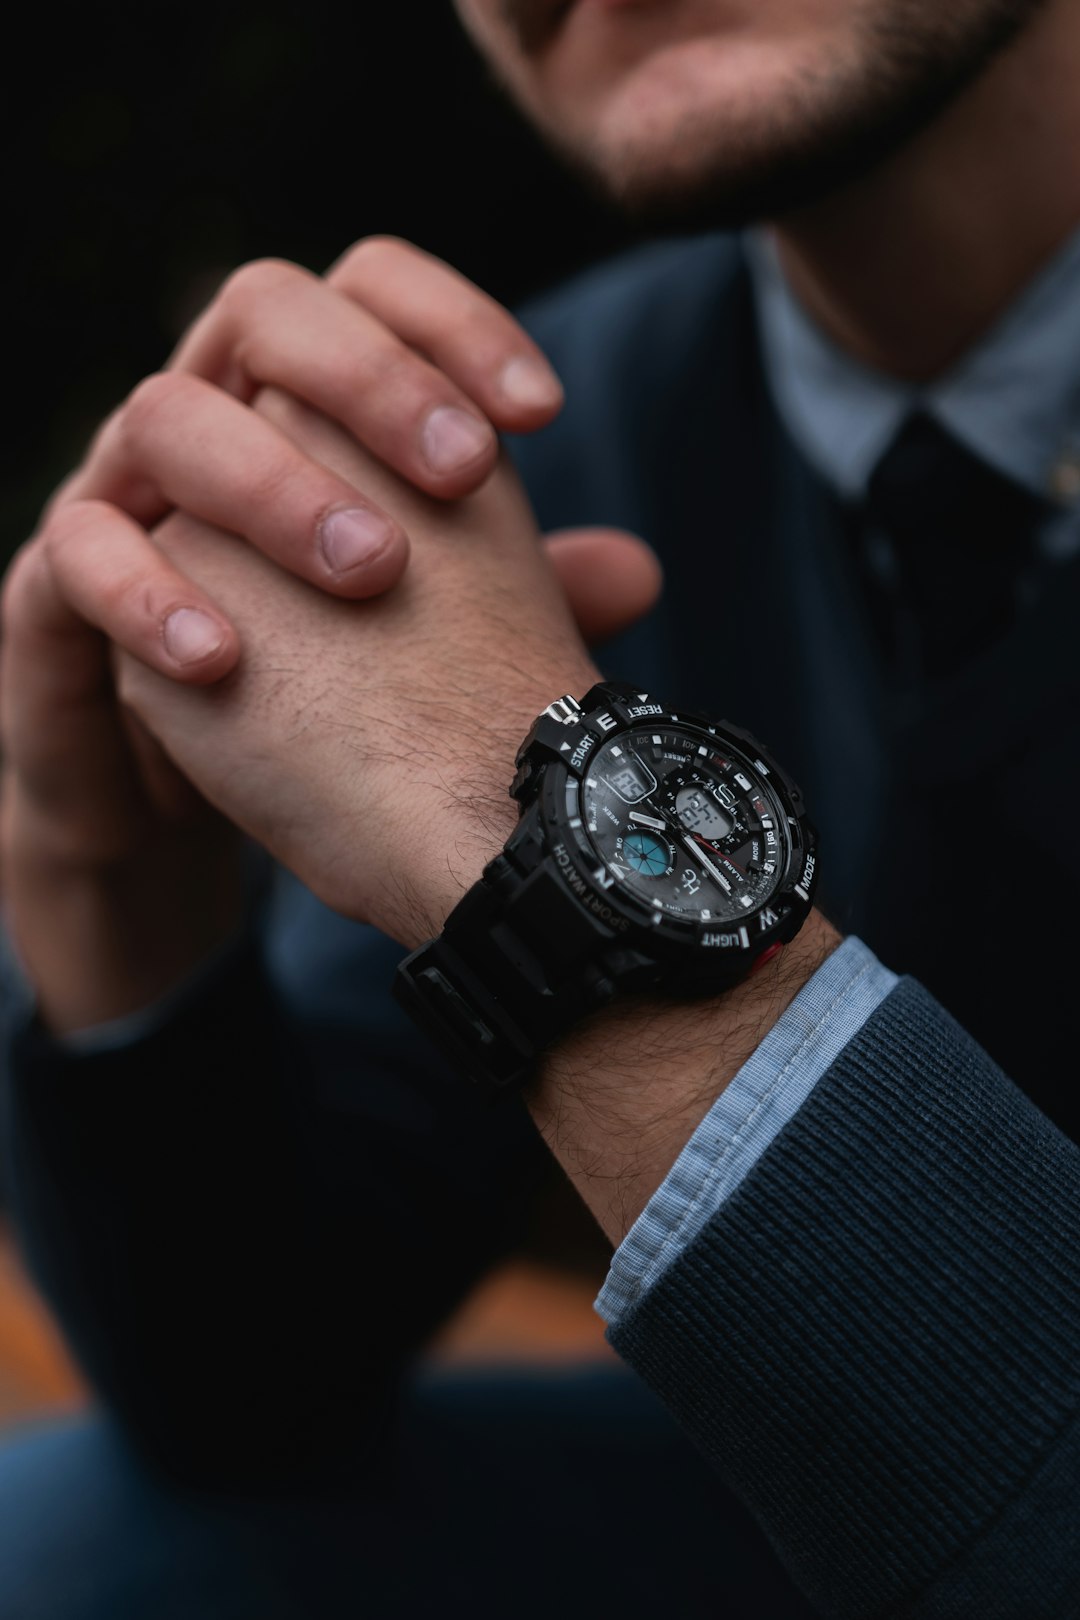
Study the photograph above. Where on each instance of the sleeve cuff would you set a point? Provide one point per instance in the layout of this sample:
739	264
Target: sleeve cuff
746	1118
117	1033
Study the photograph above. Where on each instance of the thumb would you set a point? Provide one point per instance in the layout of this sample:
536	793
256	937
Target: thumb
611	578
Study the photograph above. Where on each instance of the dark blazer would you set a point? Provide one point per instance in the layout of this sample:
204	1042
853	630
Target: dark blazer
877	1340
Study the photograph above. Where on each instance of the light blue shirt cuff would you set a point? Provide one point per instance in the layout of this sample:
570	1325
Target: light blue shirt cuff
746	1118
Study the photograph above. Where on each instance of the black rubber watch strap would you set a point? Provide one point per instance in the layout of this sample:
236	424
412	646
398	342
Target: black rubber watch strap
514	968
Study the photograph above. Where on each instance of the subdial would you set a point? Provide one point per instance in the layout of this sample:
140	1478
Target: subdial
647	853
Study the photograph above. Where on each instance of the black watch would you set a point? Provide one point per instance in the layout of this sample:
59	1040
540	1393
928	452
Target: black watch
655	852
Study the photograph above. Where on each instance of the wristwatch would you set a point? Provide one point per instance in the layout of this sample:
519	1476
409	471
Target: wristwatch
655	852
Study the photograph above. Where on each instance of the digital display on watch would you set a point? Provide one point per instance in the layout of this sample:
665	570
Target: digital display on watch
700	814
626	779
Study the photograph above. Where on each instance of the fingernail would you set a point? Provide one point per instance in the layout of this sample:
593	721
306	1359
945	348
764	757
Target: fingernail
351	536
191	635
452	438
530	382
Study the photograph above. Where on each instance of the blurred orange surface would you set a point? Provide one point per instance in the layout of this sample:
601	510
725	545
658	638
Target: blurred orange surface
36	1373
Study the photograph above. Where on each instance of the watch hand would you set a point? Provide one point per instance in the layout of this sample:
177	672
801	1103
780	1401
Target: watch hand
713	871
648	821
727	857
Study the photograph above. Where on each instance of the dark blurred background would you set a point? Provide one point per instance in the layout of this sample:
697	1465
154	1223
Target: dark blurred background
148	151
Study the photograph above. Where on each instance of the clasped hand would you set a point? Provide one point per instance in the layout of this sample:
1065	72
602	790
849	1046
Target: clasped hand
355	712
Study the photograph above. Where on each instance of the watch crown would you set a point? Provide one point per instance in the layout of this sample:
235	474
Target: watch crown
565	710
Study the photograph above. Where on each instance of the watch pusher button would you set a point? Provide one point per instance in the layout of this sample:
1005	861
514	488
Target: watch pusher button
522	780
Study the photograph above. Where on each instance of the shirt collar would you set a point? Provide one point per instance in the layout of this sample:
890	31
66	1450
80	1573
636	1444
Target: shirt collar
1013	399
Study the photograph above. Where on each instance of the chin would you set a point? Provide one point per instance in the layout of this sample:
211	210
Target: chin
753	122
721	135
722	157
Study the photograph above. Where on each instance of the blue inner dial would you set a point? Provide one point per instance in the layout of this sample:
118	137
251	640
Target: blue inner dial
645	854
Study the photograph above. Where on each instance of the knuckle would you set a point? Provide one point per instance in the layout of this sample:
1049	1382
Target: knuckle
271	478
251	282
150	399
482	329
72	523
124	597
478	325
377	384
127	600
390	374
372	255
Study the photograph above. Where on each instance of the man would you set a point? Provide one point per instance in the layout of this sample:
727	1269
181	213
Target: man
855	1288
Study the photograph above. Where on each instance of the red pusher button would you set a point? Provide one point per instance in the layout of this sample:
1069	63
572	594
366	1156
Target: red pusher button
767	956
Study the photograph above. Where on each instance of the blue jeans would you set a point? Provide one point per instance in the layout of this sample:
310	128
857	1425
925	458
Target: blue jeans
516	1495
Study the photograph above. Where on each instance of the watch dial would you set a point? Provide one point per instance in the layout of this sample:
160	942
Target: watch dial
686	823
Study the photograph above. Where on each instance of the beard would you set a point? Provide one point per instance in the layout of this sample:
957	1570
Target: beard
911	59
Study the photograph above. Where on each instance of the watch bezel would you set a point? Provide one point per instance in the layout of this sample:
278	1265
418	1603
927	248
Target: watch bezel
721	950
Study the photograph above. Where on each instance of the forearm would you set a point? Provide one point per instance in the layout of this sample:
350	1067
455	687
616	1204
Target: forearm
619	1098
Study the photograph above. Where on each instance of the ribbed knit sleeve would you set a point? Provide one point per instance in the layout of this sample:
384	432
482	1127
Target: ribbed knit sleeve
876	1340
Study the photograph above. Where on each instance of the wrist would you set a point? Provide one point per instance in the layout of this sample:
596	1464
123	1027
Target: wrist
424	889
618	1099
101	940
467	812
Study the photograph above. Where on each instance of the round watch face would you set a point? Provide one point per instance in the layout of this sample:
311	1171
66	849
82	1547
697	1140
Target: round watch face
686	824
